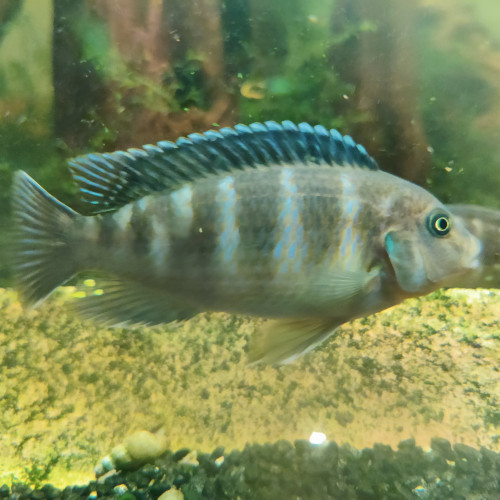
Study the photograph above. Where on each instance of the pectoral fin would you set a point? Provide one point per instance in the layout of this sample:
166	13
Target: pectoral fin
336	287
283	341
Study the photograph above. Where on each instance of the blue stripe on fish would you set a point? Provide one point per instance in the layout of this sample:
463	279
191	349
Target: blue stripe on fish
278	249
346	241
351	207
348	188
122	217
159	248
141	204
226	224
355	243
182	209
290	247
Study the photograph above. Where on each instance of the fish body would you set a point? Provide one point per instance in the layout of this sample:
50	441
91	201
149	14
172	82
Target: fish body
281	221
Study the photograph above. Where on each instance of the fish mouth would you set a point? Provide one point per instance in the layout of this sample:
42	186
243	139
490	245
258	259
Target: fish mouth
470	262
469	268
475	262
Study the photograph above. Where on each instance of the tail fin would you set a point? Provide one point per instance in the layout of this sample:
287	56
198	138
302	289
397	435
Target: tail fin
43	257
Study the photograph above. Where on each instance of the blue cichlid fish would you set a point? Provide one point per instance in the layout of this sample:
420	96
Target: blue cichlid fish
284	221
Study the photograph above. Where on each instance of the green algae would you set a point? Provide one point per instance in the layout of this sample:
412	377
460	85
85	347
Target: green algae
73	390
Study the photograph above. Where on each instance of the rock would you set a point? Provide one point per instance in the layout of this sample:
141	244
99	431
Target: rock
180	454
143	446
282	470
172	494
120	456
442	448
120	489
4	491
139	448
50	492
467	452
190	459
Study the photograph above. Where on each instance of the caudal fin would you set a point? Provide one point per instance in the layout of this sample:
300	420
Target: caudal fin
43	257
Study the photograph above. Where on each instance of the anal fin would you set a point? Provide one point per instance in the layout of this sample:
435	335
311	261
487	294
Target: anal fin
115	302
282	341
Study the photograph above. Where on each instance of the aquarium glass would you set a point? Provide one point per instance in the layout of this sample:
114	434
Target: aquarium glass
404	403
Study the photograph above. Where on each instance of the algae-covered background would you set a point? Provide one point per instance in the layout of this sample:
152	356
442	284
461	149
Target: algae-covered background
416	82
71	391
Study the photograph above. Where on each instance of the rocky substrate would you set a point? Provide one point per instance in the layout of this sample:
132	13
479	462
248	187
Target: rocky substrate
71	391
296	471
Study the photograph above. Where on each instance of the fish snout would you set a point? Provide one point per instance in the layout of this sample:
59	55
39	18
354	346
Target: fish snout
474	260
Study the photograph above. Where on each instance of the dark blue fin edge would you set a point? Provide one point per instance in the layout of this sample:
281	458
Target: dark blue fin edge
111	180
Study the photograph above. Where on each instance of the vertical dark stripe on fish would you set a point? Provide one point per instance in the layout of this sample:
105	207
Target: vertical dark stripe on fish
108	230
257	216
204	235
320	217
140	229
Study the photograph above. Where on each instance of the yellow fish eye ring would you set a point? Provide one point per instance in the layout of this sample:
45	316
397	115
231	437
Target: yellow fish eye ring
439	223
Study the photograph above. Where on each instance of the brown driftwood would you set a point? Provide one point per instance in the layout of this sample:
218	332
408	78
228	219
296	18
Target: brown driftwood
79	91
155	38
379	62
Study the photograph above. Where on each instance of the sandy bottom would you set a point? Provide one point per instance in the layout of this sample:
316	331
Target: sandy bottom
70	390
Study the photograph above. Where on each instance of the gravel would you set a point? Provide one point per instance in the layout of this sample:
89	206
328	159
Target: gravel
294	471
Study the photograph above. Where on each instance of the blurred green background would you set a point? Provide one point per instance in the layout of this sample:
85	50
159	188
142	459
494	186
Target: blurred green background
416	82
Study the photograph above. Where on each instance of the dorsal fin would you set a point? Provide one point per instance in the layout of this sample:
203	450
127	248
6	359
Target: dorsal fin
111	180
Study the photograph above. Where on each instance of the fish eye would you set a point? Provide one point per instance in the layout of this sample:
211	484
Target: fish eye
439	224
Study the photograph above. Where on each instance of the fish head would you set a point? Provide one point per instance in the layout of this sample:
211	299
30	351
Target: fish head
427	246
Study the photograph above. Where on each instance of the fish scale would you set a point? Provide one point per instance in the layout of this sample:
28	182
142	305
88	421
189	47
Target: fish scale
289	248
227	226
285	221
214	234
256	217
350	212
140	230
203	236
208	230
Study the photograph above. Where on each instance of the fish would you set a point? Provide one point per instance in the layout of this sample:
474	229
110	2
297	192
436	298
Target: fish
291	222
